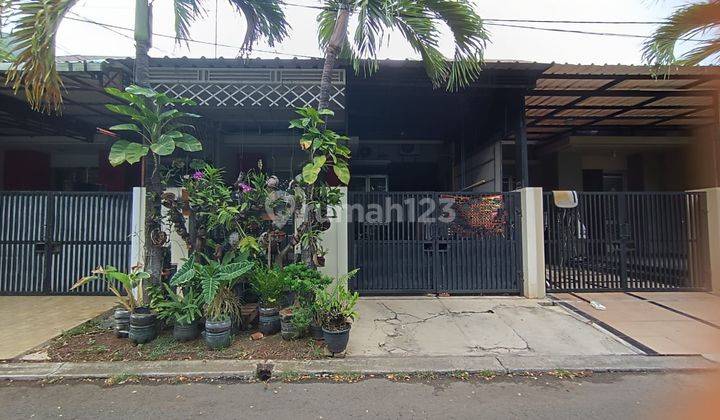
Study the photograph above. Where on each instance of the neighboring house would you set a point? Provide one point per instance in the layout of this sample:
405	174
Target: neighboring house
560	127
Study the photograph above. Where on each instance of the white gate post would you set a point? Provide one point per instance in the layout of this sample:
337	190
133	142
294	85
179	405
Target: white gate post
335	240
533	243
137	234
713	226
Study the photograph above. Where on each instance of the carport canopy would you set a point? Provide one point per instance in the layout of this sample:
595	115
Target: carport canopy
574	99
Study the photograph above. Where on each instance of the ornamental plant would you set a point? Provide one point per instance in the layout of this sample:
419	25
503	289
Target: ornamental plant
158	127
129	281
336	308
183	308
215	280
327	152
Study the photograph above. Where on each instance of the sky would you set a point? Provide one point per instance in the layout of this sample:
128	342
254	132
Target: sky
506	43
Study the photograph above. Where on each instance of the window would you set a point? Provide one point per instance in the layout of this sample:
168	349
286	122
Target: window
368	183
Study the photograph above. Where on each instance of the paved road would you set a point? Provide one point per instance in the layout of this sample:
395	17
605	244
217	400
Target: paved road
602	396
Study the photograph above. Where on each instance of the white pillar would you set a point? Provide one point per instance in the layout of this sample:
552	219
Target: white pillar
533	243
713	225
137	235
335	240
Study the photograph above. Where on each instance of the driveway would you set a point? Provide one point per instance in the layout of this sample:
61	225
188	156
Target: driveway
460	326
28	321
665	322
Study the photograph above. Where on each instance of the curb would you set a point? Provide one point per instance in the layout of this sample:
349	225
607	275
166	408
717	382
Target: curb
245	369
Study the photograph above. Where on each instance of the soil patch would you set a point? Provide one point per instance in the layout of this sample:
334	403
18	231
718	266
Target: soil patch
95	341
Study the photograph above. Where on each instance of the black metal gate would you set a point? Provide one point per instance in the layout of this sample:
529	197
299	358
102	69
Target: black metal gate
627	241
414	243
50	239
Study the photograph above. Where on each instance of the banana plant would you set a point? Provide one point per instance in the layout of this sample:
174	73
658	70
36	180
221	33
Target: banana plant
129	282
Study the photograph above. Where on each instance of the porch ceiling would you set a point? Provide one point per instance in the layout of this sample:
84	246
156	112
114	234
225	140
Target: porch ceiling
583	99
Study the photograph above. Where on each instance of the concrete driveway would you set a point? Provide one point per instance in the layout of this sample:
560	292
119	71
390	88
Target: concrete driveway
665	322
28	321
460	326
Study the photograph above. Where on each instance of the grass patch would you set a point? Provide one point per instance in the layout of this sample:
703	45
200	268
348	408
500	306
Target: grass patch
486	374
90	327
94	349
460	374
121	379
161	347
290	376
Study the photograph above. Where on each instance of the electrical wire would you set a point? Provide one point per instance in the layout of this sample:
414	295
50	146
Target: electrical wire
108	26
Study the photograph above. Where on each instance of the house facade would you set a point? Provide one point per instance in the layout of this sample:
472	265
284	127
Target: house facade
613	133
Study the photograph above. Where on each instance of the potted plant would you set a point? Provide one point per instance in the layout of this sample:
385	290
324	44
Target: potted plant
315	327
216	280
320	257
269	284
183	310
305	282
337	310
132	320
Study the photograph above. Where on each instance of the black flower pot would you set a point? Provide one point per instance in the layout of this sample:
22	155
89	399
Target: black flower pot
121	318
143	327
269	322
336	341
217	333
316	331
182	332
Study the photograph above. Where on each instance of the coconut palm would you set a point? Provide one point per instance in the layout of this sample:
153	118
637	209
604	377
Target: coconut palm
701	18
419	22
35	25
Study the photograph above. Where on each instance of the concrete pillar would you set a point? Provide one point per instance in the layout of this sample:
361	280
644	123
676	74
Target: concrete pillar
713	224
335	240
533	243
137	235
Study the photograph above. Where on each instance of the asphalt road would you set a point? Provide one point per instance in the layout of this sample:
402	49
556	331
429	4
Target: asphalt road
602	396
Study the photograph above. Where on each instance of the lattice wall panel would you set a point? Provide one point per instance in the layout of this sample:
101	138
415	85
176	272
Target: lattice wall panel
253	95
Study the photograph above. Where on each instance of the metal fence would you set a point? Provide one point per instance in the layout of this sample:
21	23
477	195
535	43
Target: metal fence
50	239
618	241
412	243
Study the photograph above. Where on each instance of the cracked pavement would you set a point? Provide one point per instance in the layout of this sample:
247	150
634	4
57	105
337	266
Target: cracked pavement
471	326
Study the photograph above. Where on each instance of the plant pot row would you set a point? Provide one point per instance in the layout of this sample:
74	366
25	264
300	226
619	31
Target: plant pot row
142	327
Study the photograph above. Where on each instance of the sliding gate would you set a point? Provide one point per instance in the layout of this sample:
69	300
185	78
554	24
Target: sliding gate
627	241
414	243
48	240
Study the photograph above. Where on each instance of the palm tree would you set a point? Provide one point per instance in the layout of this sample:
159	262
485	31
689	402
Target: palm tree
33	69
687	21
36	22
419	22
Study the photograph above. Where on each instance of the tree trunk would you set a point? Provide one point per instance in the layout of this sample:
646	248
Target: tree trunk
337	40
154	235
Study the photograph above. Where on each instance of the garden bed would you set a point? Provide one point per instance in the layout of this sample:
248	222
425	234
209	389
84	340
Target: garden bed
95	341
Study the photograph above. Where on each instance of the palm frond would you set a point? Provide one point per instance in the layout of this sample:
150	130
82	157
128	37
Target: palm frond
186	11
470	39
685	22
265	19
34	33
416	24
420	23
